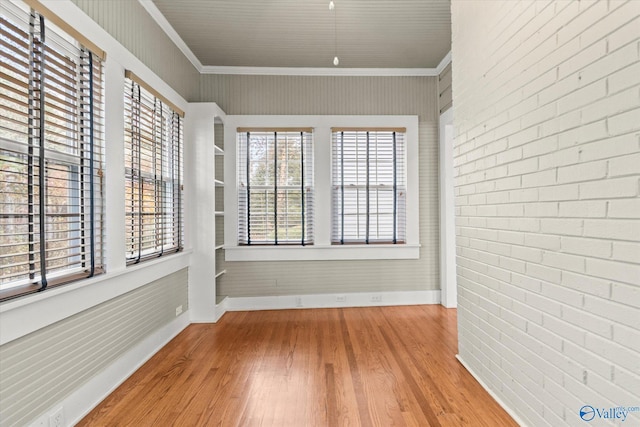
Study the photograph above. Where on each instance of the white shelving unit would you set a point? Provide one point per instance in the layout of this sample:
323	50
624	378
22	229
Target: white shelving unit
205	186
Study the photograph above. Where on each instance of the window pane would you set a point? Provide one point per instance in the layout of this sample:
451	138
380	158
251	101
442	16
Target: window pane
275	188
368	186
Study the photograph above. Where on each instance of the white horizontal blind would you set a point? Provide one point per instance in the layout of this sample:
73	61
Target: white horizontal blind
369	186
275	188
153	175
51	144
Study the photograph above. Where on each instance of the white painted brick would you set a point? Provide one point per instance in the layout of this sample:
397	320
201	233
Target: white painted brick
610	147
563	329
539	179
584	20
605	66
561	123
508	183
629	252
586	133
559	192
583	209
609	188
627	165
524	224
523	167
584	357
583	96
568	156
540	115
548	274
524	136
626	77
612	229
511	237
626	34
611	310
525	195
588	321
586	284
626	122
529	313
626	294
588	247
568	296
564	261
630	382
613	391
542	209
541	146
498	197
526	254
542	241
623	272
582	59
513	265
582	172
627	336
563	227
545	335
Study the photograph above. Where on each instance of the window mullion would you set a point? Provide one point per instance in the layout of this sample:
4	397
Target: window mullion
342	188
248	188
367	192
275	187
302	186
395	192
41	159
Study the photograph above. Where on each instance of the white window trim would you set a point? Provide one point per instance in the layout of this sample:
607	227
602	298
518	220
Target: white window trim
322	249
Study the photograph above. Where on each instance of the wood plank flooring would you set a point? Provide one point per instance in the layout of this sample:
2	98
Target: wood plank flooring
375	366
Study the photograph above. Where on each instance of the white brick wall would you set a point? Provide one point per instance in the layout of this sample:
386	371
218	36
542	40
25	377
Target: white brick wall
547	168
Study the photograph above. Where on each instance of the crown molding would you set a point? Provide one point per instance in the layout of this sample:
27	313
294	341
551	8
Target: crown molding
321	71
169	31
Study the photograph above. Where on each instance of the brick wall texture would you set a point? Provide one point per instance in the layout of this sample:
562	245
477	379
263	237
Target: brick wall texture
546	99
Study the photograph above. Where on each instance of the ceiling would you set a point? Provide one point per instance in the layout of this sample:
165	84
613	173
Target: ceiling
301	33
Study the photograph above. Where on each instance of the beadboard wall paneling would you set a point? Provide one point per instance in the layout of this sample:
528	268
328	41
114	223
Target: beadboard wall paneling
309	95
42	368
130	24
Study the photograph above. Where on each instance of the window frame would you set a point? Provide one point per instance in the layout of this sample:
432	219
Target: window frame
166	143
322	249
245	186
75	109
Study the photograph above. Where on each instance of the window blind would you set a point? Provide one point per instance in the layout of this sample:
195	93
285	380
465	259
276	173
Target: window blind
369	185
153	175
51	145
275	186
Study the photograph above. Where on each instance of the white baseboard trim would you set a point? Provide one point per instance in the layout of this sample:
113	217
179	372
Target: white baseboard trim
364	299
89	395
501	402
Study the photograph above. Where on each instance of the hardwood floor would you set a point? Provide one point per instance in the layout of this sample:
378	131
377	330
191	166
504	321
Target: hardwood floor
378	366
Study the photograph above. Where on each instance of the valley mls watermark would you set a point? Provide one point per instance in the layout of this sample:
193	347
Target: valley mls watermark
589	413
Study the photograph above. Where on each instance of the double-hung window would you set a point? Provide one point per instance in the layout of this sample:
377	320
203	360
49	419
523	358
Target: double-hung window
153	173
51	145
369	185
275	186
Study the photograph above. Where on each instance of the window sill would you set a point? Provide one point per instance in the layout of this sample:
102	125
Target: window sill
321	253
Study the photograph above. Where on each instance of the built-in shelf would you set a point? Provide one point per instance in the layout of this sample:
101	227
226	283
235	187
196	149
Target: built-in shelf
219	213
220	273
219	183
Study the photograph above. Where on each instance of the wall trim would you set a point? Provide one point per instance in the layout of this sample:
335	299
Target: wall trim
321	71
443	64
336	300
501	402
79	403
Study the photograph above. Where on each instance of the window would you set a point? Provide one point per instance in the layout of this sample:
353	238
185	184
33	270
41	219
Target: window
51	144
275	186
369	185
153	173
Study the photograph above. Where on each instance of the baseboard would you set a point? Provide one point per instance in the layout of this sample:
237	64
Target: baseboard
364	299
89	395
508	410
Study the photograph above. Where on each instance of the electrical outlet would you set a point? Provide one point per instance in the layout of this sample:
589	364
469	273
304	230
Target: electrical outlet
298	302
341	298
179	310
56	418
376	298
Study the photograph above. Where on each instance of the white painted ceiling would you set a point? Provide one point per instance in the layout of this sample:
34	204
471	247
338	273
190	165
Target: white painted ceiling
301	33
